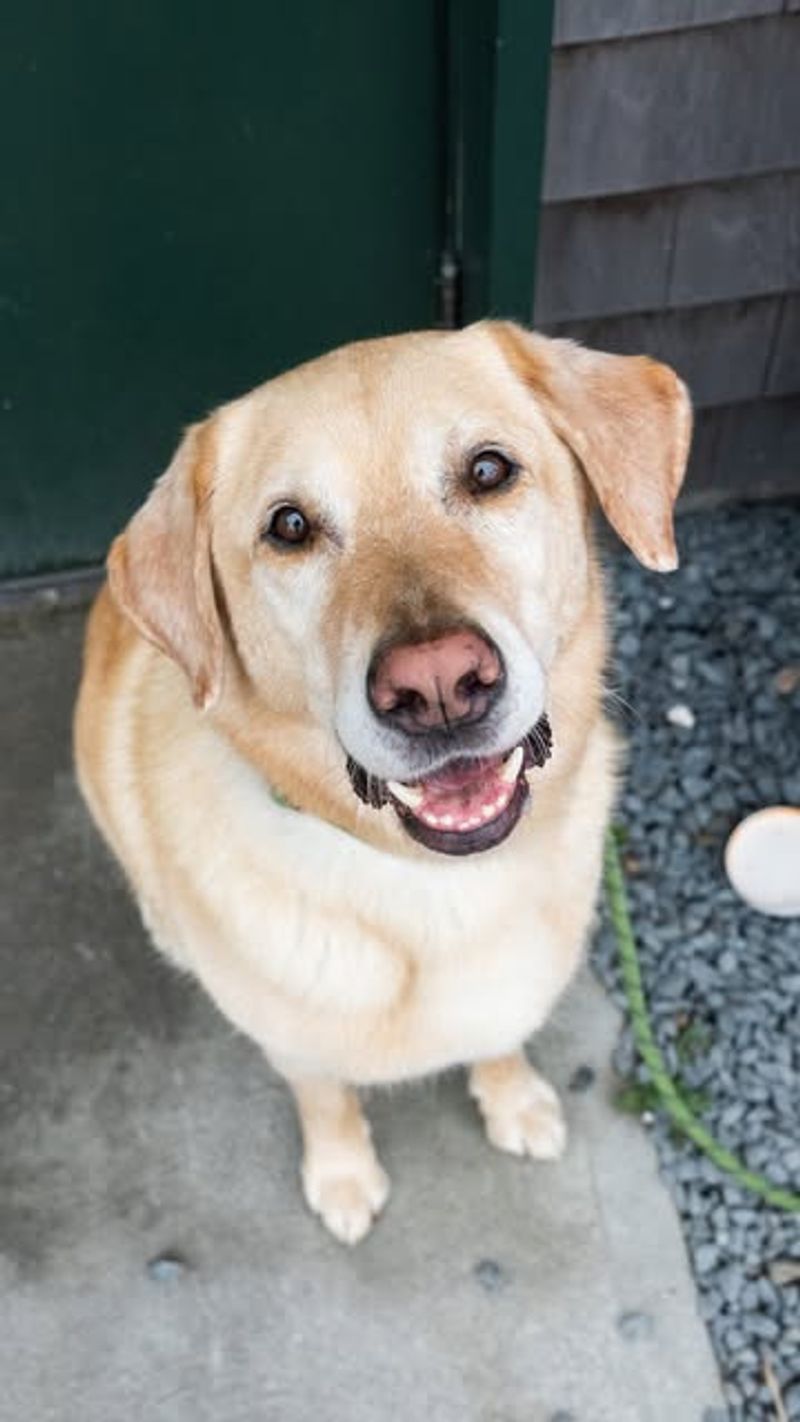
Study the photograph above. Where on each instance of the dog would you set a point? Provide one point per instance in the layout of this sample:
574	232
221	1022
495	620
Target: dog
341	713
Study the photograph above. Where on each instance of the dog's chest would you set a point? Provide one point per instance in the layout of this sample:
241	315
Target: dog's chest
409	967
482	999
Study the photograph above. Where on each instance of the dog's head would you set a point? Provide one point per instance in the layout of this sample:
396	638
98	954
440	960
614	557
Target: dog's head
391	542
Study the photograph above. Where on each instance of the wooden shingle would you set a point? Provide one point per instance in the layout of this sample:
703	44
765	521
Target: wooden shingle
598	258
783	376
686	107
579	21
737	239
721	351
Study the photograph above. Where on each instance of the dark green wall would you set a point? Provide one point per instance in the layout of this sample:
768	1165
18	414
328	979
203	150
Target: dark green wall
193	198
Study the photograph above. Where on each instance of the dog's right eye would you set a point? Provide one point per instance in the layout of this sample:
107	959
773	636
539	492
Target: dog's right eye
288	527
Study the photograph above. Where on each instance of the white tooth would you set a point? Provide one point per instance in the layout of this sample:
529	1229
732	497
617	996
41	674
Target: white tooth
448	821
473	823
407	794
433	820
509	771
490	812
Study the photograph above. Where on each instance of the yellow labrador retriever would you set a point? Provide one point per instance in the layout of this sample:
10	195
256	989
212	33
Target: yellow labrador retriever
341	715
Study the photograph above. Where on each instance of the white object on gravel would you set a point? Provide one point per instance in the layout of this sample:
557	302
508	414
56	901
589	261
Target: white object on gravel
681	715
762	861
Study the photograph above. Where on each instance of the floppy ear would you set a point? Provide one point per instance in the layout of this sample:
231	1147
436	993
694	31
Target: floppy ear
160	573
628	422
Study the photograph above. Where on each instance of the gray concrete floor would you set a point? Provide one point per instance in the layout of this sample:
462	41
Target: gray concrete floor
136	1123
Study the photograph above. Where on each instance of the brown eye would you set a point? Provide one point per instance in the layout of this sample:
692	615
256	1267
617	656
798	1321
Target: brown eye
489	469
288	527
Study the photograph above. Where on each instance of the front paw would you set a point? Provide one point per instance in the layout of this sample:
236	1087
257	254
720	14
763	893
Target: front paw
521	1111
347	1197
537	1128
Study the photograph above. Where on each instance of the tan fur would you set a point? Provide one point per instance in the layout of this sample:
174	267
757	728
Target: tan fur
159	570
214	673
627	419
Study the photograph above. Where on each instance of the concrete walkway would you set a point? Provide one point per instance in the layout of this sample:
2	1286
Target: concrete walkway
139	1128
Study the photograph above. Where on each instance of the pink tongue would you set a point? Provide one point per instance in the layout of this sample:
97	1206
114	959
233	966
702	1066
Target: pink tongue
462	790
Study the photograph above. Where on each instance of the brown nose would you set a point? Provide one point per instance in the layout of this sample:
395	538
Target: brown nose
422	686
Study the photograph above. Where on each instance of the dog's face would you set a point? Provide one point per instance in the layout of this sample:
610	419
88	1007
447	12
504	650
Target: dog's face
393	542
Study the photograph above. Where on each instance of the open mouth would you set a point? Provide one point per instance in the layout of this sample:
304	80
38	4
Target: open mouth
468	805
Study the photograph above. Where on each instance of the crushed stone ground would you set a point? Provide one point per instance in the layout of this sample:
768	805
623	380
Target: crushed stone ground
706	684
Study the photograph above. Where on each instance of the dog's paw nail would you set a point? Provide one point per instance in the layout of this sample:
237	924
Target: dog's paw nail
348	1204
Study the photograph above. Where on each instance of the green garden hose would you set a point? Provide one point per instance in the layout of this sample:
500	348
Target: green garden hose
674	1104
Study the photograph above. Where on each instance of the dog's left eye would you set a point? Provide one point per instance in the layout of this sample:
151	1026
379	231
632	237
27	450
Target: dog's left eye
488	470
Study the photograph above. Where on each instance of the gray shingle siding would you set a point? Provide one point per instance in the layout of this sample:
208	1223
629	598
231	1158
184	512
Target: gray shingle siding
679	247
722	352
783	376
671	216
577	21
745	451
737	239
600	258
662	110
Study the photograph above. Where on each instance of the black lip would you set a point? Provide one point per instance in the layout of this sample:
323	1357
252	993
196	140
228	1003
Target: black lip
474	841
537	748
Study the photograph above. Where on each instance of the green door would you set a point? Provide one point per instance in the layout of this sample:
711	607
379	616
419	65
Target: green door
195	197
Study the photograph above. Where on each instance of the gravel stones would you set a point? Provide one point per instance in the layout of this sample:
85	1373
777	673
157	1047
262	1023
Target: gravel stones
723	982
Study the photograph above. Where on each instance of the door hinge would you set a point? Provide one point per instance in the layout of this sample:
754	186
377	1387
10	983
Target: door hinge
449	290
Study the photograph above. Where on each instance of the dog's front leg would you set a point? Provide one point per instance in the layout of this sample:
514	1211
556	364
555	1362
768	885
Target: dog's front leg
521	1111
343	1180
